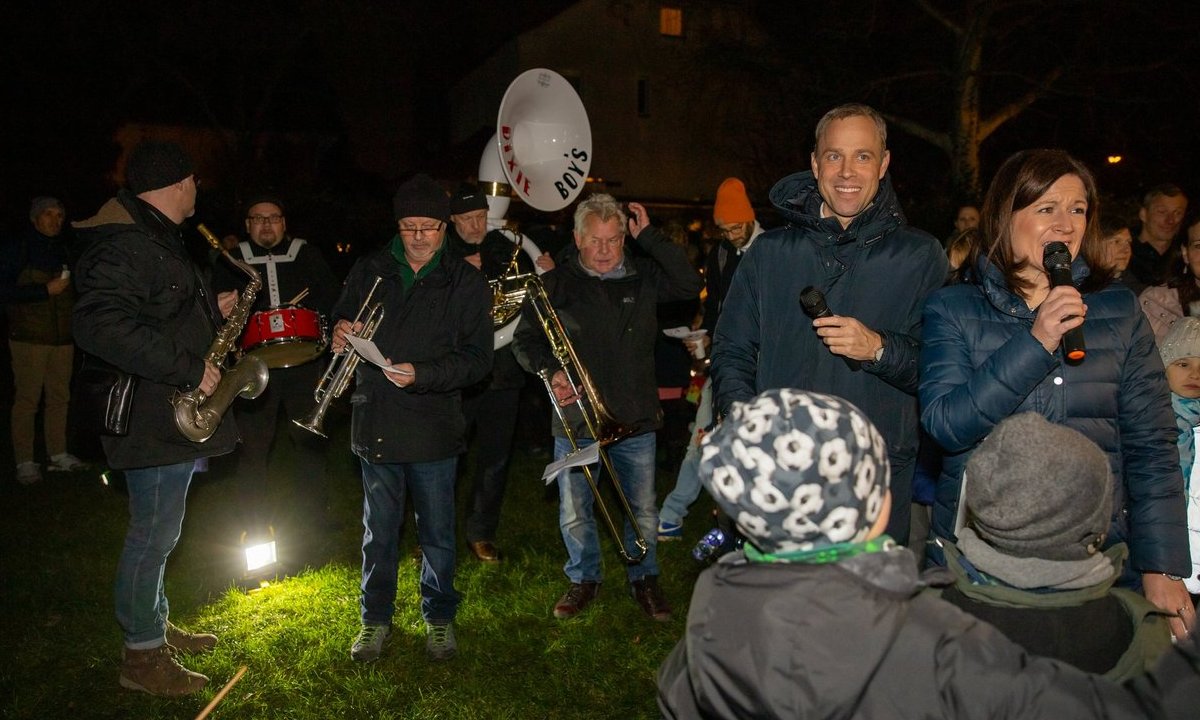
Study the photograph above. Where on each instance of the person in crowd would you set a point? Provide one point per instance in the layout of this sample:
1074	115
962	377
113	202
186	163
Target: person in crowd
966	219
1180	295
1118	243
144	308
1038	503
35	288
1157	247
734	217
676	366
407	427
491	407
992	349
606	300
831	620
846	237
294	275
1180	351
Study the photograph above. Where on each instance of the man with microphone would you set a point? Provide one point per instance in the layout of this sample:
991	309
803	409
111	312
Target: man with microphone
847	238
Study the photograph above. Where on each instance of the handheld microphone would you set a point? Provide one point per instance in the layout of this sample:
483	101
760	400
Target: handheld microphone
813	302
1057	261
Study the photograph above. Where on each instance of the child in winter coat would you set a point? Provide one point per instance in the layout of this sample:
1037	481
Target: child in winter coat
1180	350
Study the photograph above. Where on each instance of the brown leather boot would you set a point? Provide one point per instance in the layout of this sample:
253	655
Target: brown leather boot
156	671
190	642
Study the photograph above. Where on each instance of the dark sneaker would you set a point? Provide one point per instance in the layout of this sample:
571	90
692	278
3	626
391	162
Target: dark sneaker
577	597
157	672
668	531
190	642
439	641
368	646
650	598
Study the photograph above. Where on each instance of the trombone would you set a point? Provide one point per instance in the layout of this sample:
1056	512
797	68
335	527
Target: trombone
600	424
341	368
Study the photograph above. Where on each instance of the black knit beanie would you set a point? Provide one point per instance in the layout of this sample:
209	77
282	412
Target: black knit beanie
468	197
421	197
263	196
156	164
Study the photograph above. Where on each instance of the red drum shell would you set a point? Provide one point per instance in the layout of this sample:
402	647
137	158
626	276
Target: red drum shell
285	336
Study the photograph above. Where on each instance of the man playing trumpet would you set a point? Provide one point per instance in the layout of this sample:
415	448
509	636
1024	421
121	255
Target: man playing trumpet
407	426
606	300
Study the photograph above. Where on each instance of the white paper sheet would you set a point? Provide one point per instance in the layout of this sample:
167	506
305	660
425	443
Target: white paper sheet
590	455
370	353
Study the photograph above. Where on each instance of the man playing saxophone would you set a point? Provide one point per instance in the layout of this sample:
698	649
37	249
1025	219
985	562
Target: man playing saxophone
144	307
407	425
606	300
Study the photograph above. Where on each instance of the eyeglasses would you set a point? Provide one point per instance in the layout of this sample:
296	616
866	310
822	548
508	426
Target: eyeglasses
414	231
263	219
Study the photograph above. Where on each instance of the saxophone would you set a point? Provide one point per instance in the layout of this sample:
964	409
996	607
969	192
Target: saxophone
198	415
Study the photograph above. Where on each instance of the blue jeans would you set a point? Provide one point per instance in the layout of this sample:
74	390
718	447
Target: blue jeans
431	485
687	484
157	496
633	460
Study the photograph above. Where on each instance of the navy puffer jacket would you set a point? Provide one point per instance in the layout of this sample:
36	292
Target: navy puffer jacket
980	364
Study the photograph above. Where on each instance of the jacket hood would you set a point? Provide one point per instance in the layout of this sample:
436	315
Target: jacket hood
112	212
790	655
798	200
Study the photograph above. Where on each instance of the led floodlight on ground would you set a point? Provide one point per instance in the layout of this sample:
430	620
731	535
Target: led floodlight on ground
259	551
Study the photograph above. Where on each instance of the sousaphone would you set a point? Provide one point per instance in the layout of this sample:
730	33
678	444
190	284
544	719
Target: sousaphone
541	153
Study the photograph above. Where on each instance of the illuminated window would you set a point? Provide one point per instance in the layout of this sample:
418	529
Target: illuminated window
670	21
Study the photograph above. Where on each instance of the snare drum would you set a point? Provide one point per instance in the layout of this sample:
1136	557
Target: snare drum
285	336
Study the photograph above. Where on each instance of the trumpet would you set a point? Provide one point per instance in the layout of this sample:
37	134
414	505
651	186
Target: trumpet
336	377
603	428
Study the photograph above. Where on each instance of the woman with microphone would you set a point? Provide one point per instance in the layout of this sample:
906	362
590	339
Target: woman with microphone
997	344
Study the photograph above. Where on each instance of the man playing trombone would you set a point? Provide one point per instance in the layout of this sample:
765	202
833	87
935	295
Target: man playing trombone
606	300
407	426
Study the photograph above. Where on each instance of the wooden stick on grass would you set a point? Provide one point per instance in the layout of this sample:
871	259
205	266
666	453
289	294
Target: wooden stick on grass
221	695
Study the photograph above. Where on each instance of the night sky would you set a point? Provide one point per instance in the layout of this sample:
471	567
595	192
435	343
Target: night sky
368	78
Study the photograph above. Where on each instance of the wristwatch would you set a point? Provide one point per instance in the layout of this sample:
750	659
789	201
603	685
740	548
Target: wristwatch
879	352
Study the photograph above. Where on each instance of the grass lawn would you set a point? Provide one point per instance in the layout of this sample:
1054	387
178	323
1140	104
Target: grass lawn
62	537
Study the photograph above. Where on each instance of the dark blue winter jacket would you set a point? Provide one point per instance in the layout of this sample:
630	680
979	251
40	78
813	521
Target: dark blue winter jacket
878	270
980	364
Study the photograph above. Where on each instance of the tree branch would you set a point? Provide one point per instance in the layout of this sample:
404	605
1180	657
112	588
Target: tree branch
931	11
939	140
1014	108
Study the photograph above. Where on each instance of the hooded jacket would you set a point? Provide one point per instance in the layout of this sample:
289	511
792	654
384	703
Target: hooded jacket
145	308
980	364
857	639
443	326
612	324
878	270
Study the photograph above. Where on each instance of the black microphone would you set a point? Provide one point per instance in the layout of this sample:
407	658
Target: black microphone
1057	261
813	302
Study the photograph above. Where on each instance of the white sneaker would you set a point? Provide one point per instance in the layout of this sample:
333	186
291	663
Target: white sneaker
28	473
65	462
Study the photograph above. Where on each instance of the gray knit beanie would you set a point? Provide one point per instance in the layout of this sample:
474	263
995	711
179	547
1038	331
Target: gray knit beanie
421	197
156	164
797	470
1037	489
